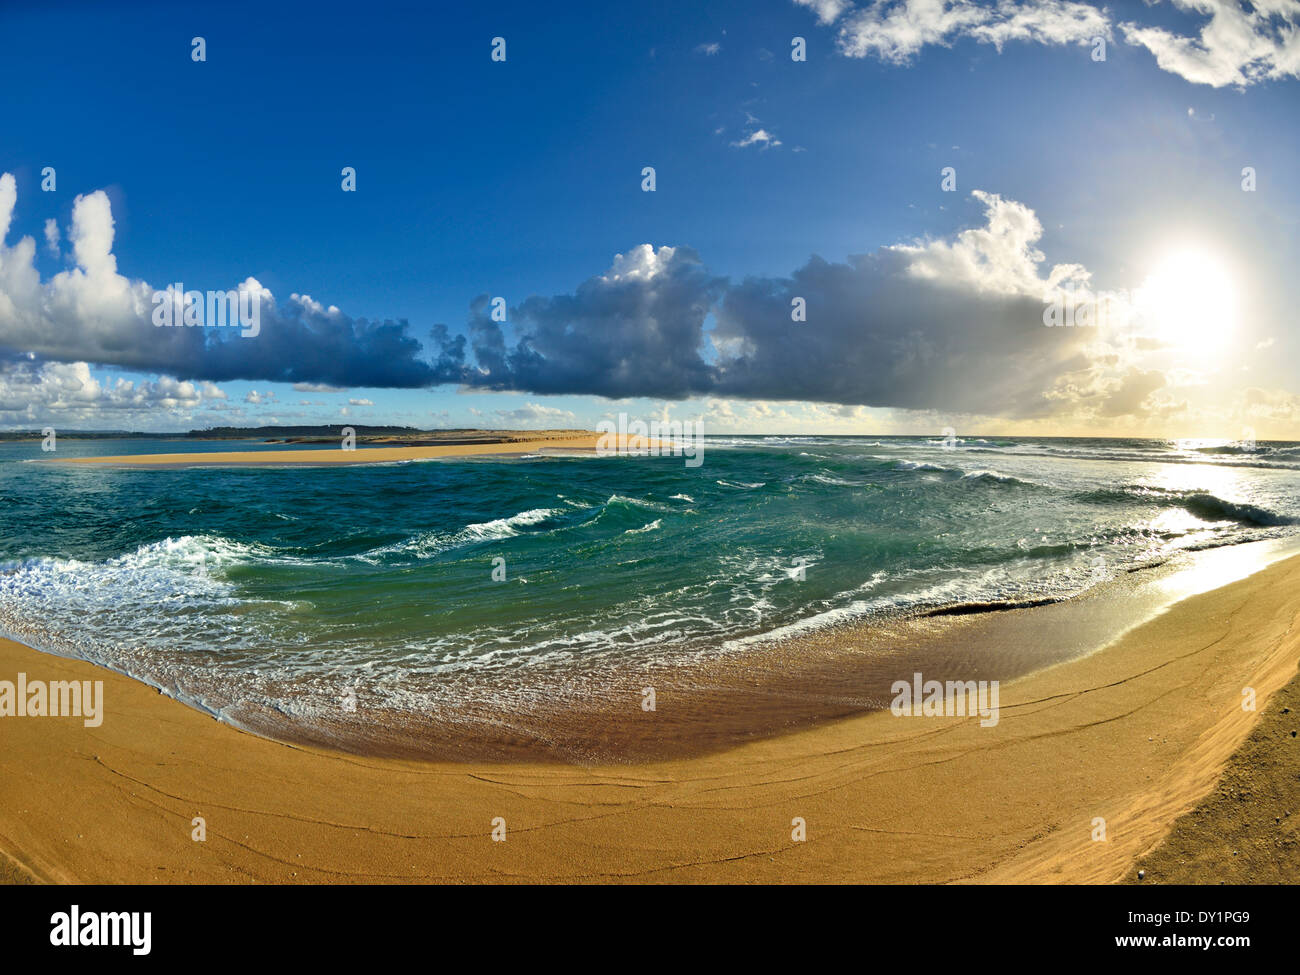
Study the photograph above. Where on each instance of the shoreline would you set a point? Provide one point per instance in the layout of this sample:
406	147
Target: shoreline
1135	733
746	690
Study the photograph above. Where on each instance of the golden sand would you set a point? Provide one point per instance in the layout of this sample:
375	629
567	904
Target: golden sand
1135	735
524	444
1247	830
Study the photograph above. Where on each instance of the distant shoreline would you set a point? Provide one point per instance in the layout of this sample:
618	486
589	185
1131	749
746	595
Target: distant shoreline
372	453
322	434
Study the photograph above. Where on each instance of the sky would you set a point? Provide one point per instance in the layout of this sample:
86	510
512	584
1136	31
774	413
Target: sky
863	215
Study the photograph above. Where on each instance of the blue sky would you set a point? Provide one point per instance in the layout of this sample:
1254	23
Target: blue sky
523	178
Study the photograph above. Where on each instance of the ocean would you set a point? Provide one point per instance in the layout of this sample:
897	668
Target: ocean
402	589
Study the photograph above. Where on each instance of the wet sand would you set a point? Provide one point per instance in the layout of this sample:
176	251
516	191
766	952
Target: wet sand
766	688
1136	735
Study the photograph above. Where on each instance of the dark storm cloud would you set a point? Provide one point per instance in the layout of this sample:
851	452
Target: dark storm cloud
636	331
933	326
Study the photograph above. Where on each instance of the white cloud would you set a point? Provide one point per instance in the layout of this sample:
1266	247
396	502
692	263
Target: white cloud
52	236
708	49
1050	22
89	306
1239	45
8	199
1242	43
360	402
641	263
535	414
895	30
827	11
759	137
91	313
999	257
67	393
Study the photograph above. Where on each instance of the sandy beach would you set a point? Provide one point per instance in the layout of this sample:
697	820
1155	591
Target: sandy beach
717	445
1136	735
518	442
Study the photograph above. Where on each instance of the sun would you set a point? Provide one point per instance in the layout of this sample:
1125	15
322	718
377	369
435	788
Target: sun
1189	300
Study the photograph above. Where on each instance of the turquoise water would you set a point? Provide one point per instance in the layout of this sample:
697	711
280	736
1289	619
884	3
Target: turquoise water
279	587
